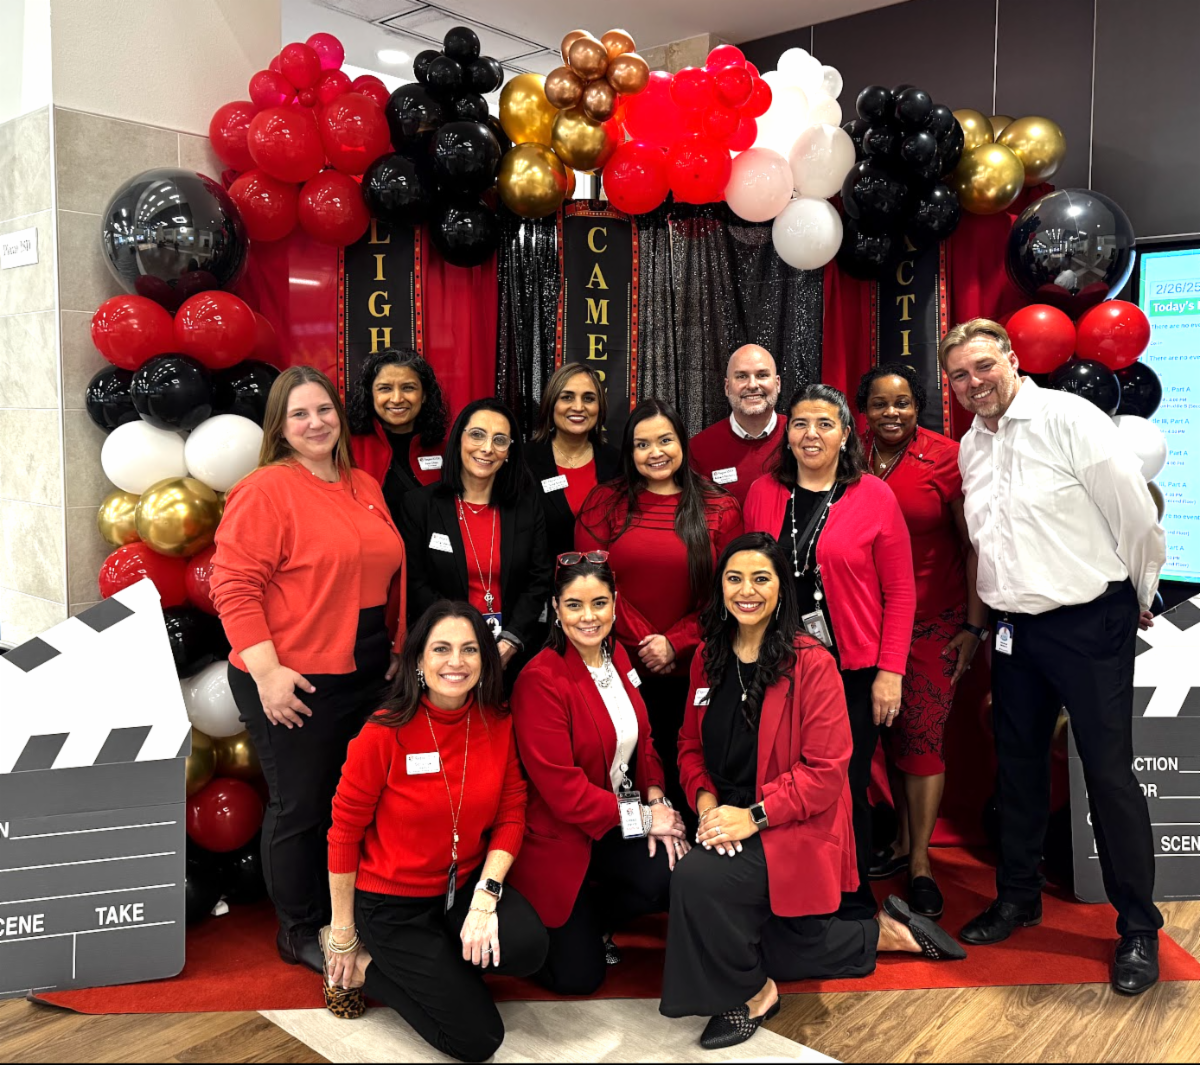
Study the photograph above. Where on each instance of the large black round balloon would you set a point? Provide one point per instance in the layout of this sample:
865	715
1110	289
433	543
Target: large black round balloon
856	129
399	189
193	636
445	76
466	157
201	891
918	150
470	107
413	114
421	63
950	149
173	392
461	44
240	873
485	74
867	256
875	104
166	225
1090	379
243	389
502	138
1072	249
934	217
874	197
940	122
913	107
108	399
1141	390
465	232
880	142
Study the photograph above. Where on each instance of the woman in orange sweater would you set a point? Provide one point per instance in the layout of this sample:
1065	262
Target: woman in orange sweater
308	568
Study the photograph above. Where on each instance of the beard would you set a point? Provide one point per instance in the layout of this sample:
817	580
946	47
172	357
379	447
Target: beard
754	404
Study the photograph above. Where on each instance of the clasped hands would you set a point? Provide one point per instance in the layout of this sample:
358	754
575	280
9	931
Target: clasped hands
722	828
667	827
656	653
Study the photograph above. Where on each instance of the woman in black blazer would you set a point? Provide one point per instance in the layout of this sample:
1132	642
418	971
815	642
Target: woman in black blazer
568	455
479	535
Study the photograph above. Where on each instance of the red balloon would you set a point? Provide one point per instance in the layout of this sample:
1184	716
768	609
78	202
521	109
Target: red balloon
300	65
721	123
266	343
354	132
329	50
1042	337
760	99
224	815
197	574
692	88
227	130
734	85
268	89
693	120
369	85
746	135
652	116
275	65
635	178
332	209
128	330
752	68
699	169
216	328
725	55
1114	332
331	85
307	98
267	205
285	142
129	564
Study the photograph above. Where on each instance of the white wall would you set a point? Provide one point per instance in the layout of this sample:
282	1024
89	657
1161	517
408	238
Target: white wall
24	56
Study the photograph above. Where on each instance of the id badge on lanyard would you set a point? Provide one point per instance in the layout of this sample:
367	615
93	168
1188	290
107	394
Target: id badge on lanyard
495	624
630	805
814	621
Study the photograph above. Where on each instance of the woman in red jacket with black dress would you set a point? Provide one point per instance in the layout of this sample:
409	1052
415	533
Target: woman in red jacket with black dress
852	566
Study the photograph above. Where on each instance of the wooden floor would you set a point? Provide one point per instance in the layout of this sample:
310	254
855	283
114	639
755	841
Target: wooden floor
1081	1023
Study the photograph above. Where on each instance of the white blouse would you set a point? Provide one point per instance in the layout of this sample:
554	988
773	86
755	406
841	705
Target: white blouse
620	710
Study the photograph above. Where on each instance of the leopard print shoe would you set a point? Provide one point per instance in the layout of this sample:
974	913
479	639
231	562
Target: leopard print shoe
346	1003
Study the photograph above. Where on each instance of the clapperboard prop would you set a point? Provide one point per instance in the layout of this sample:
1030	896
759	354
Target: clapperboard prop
92	834
1166	748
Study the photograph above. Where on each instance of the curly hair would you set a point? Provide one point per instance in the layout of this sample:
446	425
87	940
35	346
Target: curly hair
889	369
430	425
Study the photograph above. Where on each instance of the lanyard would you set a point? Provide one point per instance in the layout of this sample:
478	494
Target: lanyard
816	524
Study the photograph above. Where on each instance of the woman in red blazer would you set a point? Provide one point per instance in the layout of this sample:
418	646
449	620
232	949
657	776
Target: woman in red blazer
851	561
763	758
584	739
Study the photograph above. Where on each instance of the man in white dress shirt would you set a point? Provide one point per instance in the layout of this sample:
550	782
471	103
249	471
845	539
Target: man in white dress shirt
1069	555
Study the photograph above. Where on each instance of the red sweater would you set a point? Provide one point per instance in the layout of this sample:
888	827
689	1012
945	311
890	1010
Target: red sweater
374	454
394	828
866	566
719	448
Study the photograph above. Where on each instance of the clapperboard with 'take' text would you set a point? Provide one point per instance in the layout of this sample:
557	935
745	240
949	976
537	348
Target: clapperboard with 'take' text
93	733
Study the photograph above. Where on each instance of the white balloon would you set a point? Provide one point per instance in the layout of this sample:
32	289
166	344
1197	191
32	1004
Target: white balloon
824	108
1145	440
222	450
800	68
820	160
209	701
779	127
760	185
136	455
807	233
831	81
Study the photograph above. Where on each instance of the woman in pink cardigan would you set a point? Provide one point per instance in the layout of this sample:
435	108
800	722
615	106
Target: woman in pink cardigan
852	563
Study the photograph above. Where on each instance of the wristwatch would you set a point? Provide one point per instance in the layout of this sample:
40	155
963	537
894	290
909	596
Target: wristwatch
662	801
980	634
492	887
758	815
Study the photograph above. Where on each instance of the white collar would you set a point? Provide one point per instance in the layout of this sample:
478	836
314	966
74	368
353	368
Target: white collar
739	431
1024	405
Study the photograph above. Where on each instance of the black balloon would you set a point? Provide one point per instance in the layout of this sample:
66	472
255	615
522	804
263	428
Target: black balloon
466	158
485	74
934	217
1090	379
167	225
465	232
421	63
193	636
173	392
445	76
108	399
201	892
461	43
1072	249
1158	606
856	129
867	256
1141	390
941	122
413	114
470	107
898	89
913	107
243	389
918	150
240	873
399	188
502	138
874	197
880	142
875	104
951	148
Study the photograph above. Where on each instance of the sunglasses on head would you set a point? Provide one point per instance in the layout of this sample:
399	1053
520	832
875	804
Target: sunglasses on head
574	558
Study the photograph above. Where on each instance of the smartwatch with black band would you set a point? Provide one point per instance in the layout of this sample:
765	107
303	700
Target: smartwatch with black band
976	631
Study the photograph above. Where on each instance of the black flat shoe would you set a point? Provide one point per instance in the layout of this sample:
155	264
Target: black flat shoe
999	921
925	898
300	946
1135	964
733	1027
885	864
936	944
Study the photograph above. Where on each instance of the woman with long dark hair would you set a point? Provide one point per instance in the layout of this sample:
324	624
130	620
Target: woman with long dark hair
763	755
664	526
427	819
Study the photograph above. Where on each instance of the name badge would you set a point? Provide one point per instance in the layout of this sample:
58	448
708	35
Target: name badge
1004	637
701	697
429	462
725	476
441	542
630	805
634	679
554	484
417	764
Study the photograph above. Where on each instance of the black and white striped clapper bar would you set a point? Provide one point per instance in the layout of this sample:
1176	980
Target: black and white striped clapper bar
93	733
1166	749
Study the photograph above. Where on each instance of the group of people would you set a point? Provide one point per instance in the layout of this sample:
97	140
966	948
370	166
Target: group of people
582	683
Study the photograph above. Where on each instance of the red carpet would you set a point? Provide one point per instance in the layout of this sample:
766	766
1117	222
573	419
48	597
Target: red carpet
232	964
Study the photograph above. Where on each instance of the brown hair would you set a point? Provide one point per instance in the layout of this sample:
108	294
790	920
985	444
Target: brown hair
275	450
558	381
967	331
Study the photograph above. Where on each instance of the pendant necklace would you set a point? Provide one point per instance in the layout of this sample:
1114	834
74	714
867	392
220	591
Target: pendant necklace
886	468
488	598
452	873
742	684
798	572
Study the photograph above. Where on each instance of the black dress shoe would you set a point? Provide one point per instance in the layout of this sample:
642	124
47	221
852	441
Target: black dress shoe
300	946
1000	920
885	864
1135	965
936	943
733	1027
925	898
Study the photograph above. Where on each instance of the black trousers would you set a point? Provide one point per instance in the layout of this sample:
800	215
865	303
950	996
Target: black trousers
302	767
1080	657
623	882
665	698
860	904
723	941
417	967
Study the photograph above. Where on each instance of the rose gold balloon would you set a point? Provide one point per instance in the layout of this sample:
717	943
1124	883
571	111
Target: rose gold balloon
618	42
569	40
599	100
563	87
629	74
588	58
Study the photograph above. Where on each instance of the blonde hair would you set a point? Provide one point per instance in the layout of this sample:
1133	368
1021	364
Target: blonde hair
275	449
966	331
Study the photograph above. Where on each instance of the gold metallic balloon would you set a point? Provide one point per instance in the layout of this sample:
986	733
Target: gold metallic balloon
998	122
588	58
1039	144
178	516
563	87
201	763
117	518
221	505
988	178
629	74
976	128
525	113
618	42
533	181
570	181
569	40
1159	503
582	142
236	757
599	100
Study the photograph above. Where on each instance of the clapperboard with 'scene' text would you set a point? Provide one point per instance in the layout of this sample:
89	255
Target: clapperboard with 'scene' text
93	733
1166	760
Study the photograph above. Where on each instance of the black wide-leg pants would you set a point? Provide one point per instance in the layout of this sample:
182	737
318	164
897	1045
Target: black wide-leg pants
859	905
666	698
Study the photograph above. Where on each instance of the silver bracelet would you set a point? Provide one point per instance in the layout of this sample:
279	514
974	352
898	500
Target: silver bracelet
647	820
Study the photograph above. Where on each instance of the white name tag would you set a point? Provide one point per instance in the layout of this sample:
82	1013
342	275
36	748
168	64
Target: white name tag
423	763
441	542
1004	637
554	484
701	697
725	476
634	679
631	816
429	462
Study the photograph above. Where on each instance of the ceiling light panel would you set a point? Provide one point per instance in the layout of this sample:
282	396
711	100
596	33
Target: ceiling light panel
374	10
431	24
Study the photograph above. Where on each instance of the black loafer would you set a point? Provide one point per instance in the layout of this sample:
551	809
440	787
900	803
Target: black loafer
925	898
936	944
1135	964
885	864
300	946
733	1027
999	921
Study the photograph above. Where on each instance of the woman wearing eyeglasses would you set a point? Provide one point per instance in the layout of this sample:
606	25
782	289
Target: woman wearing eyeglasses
601	838
479	533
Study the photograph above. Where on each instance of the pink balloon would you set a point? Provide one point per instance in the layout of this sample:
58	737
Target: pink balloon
329	50
760	185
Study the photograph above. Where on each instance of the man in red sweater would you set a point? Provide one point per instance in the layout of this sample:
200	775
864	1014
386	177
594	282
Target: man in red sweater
735	451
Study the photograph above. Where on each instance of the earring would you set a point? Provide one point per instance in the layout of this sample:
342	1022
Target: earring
420	677
558	622
724	612
843	447
778	606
